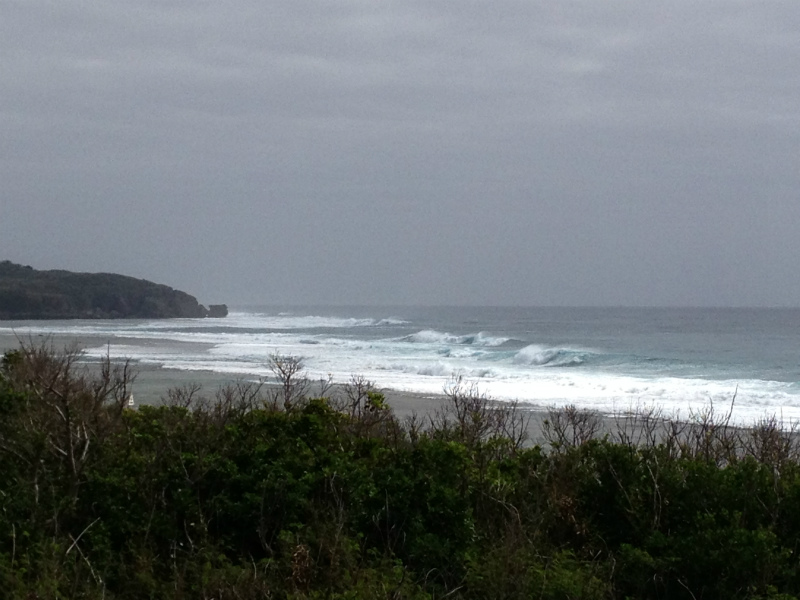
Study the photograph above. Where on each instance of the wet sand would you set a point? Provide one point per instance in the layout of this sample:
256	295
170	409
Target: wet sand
152	383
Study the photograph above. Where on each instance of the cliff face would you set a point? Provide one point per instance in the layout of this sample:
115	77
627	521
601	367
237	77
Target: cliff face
29	294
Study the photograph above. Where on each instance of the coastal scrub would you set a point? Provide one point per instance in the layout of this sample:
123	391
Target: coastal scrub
248	495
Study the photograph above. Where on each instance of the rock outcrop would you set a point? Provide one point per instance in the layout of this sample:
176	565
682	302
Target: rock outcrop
217	311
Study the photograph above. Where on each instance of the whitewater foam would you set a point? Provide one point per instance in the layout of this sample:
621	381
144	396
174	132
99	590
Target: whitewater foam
429	336
507	362
536	355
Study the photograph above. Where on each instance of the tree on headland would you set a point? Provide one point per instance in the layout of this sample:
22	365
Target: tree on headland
26	293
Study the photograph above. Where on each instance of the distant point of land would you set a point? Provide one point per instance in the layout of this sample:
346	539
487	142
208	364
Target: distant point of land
26	293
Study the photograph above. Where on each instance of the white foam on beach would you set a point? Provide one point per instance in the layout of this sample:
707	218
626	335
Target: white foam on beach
196	327
423	362
291	321
428	373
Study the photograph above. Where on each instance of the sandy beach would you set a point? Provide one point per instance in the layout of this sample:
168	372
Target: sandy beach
152	382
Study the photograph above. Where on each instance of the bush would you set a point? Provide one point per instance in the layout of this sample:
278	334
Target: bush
259	495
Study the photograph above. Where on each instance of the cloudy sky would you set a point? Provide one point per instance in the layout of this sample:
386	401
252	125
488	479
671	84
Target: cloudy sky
520	152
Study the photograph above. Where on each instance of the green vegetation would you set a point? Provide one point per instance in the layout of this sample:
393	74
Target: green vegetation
29	294
271	493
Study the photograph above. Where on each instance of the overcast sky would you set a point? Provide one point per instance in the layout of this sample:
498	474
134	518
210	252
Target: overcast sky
539	152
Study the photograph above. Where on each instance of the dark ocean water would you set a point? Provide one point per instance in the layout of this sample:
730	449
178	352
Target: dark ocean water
608	359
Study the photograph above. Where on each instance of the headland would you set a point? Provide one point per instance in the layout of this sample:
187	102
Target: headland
26	293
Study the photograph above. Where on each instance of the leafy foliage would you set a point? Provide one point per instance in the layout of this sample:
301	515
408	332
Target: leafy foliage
26	293
251	496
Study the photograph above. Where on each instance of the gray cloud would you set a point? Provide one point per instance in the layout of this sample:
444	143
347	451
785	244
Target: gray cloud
408	152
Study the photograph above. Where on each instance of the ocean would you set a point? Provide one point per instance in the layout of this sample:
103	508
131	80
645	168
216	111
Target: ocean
606	359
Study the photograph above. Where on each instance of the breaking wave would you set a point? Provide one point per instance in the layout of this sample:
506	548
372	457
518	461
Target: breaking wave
430	336
531	362
540	356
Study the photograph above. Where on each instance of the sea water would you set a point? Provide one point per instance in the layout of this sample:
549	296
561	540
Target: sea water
606	359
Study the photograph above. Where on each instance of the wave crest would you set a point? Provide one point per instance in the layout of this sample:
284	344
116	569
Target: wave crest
541	356
431	336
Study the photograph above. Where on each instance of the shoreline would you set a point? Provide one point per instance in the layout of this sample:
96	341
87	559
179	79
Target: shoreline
152	383
591	365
